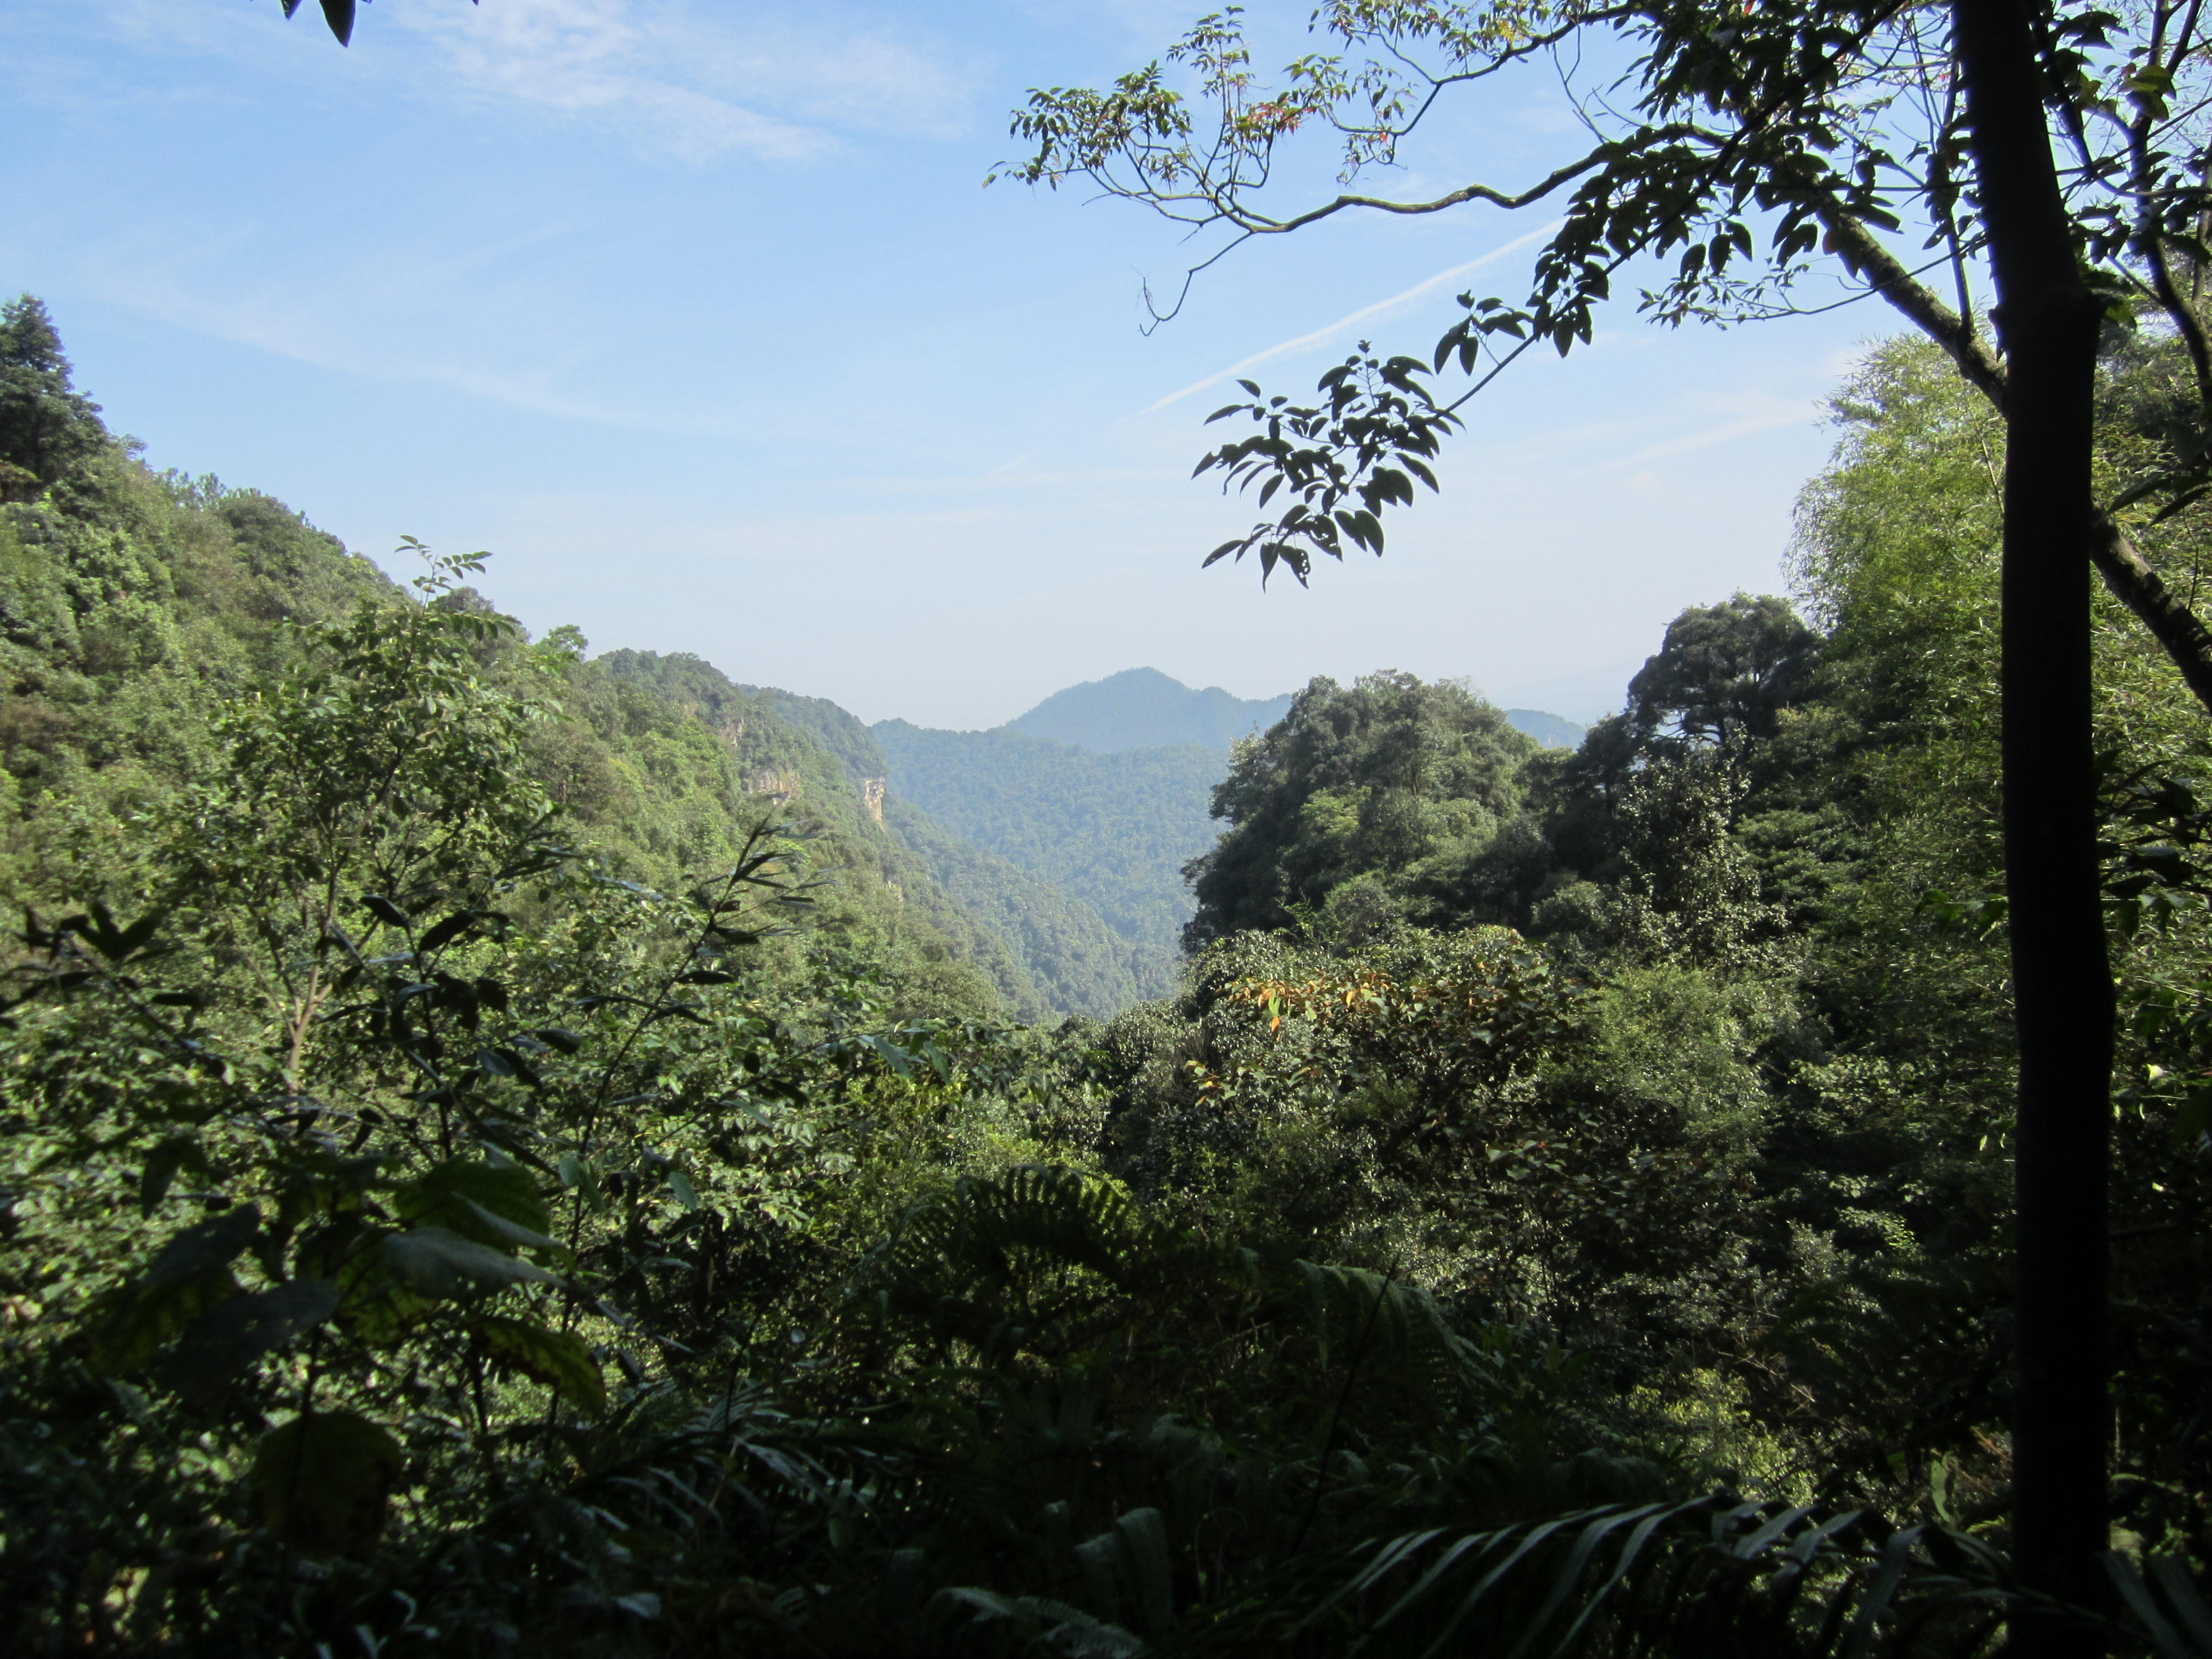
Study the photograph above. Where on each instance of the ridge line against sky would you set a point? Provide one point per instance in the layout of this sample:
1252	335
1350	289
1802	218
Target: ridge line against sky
824	412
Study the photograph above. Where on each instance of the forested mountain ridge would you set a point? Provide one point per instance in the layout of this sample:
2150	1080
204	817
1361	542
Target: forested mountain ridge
1553	731
1068	951
1114	817
1113	830
1143	708
132	603
785	758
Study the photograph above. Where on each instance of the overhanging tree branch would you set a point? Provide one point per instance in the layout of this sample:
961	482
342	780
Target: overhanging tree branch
2118	560
1536	192
1798	135
1862	251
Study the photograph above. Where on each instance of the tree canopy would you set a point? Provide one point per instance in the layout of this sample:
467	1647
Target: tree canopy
1724	672
47	428
2047	156
1371	780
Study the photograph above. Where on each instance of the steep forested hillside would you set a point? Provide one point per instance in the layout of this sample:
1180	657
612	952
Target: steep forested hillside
464	1188
1143	708
132	603
735	751
1079	964
1114	817
1114	829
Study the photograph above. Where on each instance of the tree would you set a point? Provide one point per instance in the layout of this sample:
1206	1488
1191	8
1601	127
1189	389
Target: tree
47	428
1368	780
1724	670
1824	124
1821	128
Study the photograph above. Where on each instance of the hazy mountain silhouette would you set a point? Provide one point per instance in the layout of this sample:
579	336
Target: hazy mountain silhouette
1553	731
1143	708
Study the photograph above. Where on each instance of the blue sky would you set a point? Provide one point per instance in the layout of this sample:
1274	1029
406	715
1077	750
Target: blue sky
696	317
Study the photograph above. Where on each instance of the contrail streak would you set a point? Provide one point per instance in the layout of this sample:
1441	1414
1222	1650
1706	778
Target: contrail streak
1359	316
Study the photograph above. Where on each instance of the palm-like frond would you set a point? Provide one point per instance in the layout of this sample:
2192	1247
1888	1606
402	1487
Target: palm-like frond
2161	1597
1037	1254
1041	1257
1715	1577
1038	1620
1388	1329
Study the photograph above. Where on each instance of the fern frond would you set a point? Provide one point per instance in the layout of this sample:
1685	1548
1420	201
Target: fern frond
1399	1328
1715	1578
1017	1255
1062	1628
1130	1562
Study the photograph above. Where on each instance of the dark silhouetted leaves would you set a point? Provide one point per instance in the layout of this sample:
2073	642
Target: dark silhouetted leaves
559	1360
230	1336
175	1152
437	1263
386	911
320	1482
132	1324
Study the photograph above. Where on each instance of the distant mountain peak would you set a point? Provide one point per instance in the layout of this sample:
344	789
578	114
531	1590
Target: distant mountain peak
1553	731
1143	708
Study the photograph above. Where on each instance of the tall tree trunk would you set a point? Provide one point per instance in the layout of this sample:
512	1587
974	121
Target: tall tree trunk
2048	321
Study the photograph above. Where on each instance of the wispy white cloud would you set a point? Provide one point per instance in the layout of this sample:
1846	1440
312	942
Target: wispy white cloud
1380	308
696	83
602	62
285	331
396	324
1777	415
850	79
1144	27
693	79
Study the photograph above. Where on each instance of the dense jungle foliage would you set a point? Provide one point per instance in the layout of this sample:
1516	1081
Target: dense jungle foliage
504	1152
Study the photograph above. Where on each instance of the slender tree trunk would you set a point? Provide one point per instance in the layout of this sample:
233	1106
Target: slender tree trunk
2048	322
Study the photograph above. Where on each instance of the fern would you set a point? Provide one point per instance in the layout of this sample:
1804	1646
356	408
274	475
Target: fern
1037	1619
1391	1328
1714	1578
1040	1255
